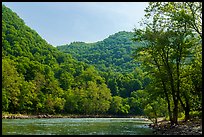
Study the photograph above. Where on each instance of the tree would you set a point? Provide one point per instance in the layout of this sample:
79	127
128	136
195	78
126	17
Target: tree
27	97
168	41
10	86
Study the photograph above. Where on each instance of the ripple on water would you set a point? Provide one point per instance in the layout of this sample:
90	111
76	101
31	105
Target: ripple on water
76	126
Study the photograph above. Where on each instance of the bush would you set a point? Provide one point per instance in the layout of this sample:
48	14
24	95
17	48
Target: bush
194	114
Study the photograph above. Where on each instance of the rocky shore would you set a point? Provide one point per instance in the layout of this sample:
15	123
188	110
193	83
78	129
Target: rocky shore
190	127
29	116
22	116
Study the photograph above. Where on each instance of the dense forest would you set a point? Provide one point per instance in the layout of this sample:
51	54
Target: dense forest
155	71
112	54
37	78
113	58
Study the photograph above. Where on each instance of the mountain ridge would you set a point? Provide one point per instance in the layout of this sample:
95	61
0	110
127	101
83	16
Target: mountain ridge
116	50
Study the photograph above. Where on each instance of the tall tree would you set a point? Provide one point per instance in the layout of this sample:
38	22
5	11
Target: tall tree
170	39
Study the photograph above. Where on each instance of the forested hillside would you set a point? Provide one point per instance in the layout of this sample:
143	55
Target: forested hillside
37	78
112	54
165	76
154	71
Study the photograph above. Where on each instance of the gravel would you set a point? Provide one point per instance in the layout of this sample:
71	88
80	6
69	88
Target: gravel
190	127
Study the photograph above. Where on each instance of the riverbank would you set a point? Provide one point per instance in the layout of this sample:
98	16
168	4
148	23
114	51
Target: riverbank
190	127
23	116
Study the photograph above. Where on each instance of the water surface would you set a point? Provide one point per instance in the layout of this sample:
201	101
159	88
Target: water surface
76	126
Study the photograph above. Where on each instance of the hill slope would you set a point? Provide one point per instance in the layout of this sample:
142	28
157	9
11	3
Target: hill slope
112	54
37	78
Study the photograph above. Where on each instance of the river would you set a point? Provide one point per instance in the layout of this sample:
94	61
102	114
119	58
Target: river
76	126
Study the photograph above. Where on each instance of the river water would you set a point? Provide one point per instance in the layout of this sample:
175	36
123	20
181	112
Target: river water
76	126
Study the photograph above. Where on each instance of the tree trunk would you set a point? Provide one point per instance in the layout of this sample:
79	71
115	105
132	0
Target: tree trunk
165	91
175	99
187	116
174	93
175	113
187	110
168	101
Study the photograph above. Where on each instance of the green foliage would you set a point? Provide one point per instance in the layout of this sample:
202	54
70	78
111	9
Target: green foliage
113	53
37	78
119	106
11	82
170	43
112	57
196	114
103	77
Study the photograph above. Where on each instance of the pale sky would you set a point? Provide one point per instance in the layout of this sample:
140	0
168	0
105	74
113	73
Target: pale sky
60	23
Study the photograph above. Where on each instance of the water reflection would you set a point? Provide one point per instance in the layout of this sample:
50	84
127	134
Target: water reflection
76	126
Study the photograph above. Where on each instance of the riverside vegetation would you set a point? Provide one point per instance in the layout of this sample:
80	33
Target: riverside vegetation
154	72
